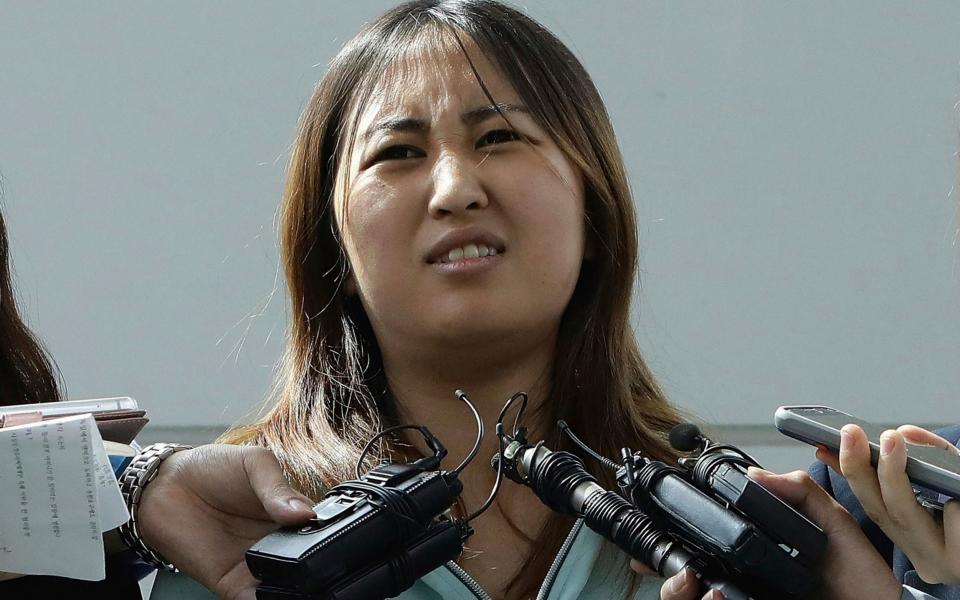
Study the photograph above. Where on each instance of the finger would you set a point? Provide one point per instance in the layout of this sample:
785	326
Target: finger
923	437
682	586
283	504
856	468
829	458
908	525
641	568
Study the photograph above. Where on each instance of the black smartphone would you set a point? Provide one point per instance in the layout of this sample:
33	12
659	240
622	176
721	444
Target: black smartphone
934	468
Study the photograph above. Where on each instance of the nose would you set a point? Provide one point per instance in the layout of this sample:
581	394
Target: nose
457	187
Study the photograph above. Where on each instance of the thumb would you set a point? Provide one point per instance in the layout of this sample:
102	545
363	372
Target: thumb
282	503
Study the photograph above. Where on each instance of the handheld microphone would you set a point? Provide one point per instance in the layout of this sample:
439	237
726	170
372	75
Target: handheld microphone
374	536
562	482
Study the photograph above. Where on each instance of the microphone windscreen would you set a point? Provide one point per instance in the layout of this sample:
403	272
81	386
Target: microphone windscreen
685	437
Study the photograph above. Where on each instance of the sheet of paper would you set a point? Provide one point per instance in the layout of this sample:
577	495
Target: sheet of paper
56	498
113	510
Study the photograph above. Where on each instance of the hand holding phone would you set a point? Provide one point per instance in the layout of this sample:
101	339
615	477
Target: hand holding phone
876	464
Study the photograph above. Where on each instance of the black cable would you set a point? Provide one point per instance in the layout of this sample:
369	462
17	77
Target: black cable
601	459
718	447
499	430
476	445
423	430
523	405
431	440
496	484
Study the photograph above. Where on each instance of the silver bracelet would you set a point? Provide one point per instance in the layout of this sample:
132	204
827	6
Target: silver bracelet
141	471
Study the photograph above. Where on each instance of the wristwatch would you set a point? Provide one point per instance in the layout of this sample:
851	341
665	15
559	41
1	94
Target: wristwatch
141	471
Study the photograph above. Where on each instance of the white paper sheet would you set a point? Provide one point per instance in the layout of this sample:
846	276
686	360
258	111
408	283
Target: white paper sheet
57	495
112	509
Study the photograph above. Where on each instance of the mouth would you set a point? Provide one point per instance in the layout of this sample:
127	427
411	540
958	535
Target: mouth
465	245
467	252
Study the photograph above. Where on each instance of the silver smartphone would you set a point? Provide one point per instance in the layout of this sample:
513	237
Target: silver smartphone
934	468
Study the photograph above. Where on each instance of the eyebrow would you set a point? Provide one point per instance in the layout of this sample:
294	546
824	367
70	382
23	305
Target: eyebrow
471	117
478	115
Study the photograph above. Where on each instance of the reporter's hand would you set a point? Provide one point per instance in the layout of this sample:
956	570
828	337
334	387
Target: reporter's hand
852	569
208	505
888	499
684	586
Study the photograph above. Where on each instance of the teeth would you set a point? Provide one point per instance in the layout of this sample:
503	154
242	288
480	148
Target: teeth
469	251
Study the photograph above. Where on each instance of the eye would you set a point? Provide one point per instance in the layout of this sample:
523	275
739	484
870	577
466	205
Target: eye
498	136
397	153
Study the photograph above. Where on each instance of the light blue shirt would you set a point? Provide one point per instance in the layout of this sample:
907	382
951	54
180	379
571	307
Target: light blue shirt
586	568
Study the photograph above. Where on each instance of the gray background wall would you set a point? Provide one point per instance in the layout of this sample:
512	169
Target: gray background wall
792	164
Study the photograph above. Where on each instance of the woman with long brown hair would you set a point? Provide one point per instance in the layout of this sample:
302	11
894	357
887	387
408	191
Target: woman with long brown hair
456	215
443	131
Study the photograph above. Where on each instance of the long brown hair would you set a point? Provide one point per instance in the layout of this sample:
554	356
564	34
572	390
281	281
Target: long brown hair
331	394
27	375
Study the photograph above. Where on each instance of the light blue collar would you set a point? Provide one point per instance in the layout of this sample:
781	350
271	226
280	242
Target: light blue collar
585	568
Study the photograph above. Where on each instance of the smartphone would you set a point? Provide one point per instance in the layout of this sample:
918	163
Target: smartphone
934	468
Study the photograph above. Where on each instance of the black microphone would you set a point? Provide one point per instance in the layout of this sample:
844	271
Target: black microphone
561	482
686	437
659	489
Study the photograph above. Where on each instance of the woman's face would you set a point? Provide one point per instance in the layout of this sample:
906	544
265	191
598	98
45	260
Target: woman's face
455	228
